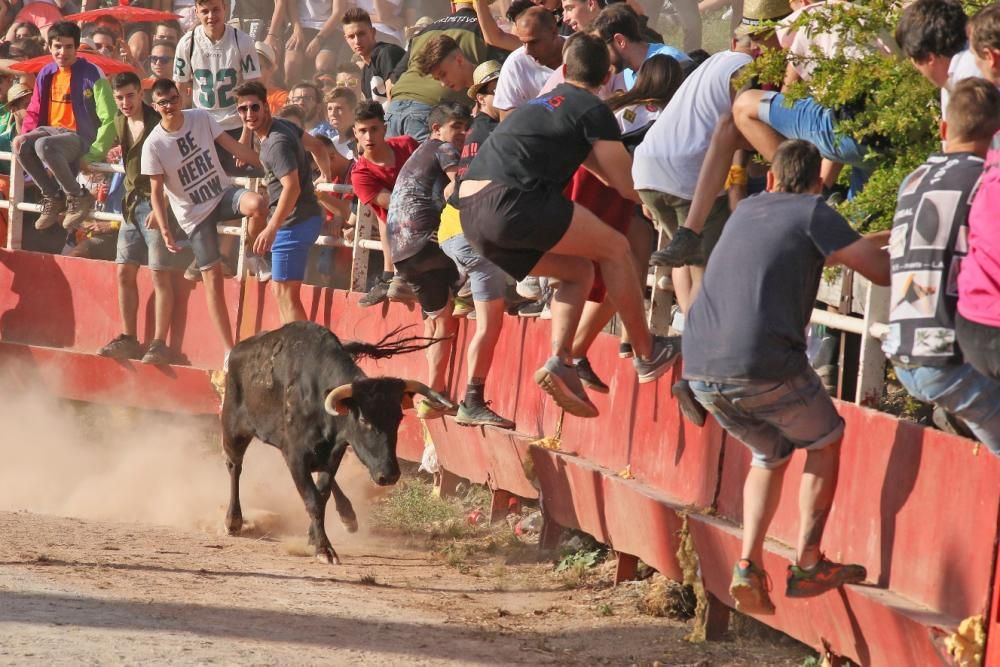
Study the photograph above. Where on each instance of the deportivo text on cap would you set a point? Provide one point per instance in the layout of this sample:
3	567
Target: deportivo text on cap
483	74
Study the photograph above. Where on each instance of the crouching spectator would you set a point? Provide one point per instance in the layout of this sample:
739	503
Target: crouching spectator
70	118
139	239
745	357
927	248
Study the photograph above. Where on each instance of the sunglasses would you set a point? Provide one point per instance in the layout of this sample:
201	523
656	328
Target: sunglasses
160	60
244	109
350	83
299	99
168	102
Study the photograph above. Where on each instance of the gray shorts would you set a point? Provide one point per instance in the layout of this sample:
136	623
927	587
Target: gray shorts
670	212
138	244
773	418
205	237
489	282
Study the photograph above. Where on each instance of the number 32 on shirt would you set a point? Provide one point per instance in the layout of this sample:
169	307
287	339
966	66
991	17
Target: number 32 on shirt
214	90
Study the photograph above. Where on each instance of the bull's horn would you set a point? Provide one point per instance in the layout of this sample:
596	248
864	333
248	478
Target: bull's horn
334	403
414	387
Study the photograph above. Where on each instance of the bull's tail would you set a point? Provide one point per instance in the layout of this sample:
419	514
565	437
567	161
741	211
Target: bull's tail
390	345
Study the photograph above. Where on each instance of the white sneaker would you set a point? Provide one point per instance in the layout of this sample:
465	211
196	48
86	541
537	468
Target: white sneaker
259	266
529	288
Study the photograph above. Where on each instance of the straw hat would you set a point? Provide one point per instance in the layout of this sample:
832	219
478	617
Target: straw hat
484	73
16	92
758	15
421	23
264	49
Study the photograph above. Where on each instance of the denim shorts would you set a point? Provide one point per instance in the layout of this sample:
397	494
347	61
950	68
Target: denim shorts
205	237
489	282
773	418
290	250
807	119
408	117
961	390
138	244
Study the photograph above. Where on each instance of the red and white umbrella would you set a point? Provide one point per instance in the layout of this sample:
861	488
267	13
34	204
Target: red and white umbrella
125	14
108	65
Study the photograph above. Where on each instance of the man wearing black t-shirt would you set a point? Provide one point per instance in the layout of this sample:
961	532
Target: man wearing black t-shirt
295	216
514	213
380	58
745	357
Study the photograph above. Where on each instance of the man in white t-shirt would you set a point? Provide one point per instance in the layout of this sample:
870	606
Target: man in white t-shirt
526	69
182	163
210	61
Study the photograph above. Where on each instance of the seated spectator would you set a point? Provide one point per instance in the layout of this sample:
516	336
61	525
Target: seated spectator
43	15
514	214
138	241
412	223
276	97
376	169
932	35
167	31
378	58
340	103
984	38
488	282
578	14
294	114
309	48
307	95
745	357
70	118
184	143
224	57
23	30
528	67
161	62
930	232
348	75
295	217
618	26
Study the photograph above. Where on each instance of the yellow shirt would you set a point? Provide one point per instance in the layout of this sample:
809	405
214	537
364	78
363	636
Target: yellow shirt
60	102
451	225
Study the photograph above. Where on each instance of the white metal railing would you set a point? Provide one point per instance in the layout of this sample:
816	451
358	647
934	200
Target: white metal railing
871	327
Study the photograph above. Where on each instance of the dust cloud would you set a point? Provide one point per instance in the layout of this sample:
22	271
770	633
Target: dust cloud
117	464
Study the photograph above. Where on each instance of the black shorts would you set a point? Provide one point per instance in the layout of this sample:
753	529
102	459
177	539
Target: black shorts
433	276
513	228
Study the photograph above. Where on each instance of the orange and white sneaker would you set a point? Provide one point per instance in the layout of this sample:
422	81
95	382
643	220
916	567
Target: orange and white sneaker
750	587
824	576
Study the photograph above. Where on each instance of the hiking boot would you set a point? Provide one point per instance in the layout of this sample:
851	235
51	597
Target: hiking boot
158	354
531	309
589	377
52	210
432	410
259	266
561	382
122	347
684	249
376	295
666	349
463	307
78	209
750	587
400	291
825	576
625	351
480	415
192	273
693	411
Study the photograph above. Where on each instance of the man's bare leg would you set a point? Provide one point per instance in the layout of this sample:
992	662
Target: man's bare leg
287	294
816	490
489	324
761	493
163	291
128	298
215	296
443	326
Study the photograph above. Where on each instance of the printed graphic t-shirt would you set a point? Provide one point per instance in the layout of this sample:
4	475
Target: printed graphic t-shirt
543	142
929	238
189	163
215	69
385	57
417	199
369	179
60	102
762	282
282	152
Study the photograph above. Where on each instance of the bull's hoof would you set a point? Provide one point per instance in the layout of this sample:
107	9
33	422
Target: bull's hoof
351	524
327	556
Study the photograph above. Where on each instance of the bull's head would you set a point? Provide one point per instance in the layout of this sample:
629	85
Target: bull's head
370	410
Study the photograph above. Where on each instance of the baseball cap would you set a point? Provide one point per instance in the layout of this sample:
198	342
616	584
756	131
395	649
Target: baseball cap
484	73
758	15
264	49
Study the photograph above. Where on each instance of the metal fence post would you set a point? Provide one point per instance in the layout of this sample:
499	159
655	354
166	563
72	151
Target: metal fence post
871	362
359	257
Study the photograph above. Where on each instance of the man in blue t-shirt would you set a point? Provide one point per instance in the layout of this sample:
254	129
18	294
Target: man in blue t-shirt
744	353
619	27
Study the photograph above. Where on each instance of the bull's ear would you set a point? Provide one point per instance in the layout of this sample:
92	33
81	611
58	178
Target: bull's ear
407	402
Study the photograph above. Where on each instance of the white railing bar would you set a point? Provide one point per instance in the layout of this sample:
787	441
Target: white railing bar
854	325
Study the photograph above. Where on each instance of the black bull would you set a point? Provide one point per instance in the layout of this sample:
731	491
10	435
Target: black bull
300	390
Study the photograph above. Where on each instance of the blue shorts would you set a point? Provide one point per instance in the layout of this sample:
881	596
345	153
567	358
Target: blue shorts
808	120
489	282
290	251
964	392
774	418
138	244
205	237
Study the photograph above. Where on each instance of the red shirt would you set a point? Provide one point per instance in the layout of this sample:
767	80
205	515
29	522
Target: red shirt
369	179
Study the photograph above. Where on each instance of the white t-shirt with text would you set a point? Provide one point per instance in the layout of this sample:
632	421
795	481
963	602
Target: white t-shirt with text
189	163
521	79
215	70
